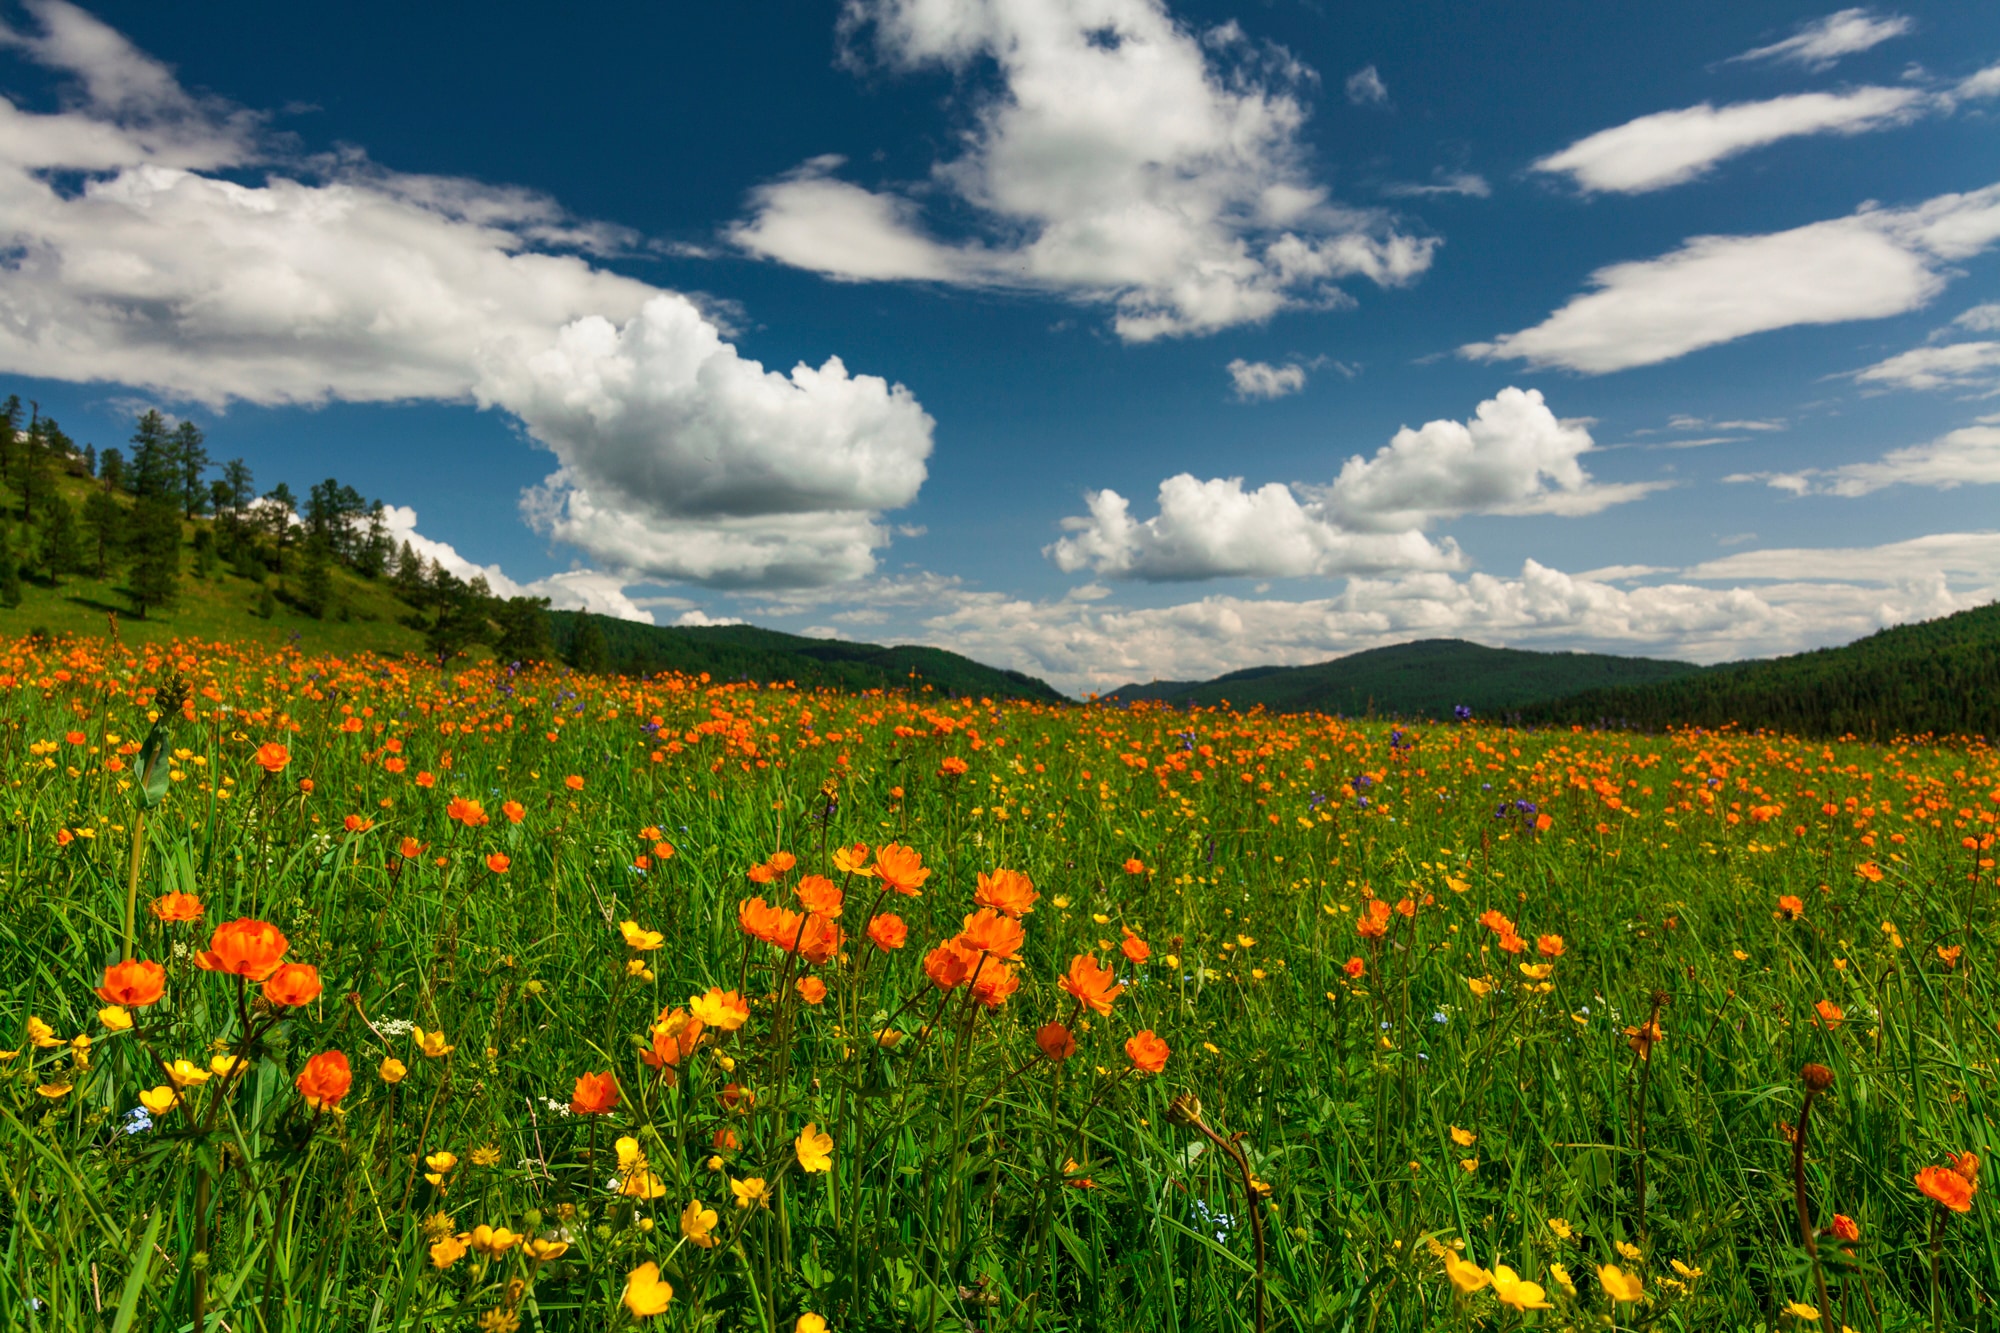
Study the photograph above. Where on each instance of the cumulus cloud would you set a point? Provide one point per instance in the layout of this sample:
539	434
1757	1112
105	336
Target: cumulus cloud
1983	318
1673	147
1514	457
1261	379
132	260
1365	87
1714	289
1951	366
574	590
1986	83
1822	42
1122	159
1969	456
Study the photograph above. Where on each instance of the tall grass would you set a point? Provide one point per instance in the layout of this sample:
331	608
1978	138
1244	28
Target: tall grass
1570	1036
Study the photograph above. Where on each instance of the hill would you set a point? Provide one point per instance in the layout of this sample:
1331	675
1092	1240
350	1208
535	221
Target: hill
1937	677
744	652
1427	678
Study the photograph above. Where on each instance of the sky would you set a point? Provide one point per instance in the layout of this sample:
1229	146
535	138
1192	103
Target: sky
1108	340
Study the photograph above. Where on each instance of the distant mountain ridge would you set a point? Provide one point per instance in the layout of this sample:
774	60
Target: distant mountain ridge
1427	678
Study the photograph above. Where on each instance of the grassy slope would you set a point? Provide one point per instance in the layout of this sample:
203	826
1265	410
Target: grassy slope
1427	678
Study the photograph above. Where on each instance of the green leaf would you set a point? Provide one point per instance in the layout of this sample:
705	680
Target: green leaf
153	766
135	1280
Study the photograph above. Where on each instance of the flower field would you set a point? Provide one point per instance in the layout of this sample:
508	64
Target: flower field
353	994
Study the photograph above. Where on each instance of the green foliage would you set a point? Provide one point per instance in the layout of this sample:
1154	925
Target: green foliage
10	570
155	543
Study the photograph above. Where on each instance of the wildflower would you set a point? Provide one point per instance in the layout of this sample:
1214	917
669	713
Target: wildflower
1512	1289
134	983
1563	1280
1537	971
172	907
1800	1310
1642	1038
1092	983
244	947
852	860
1056	1042
809	1323
272	757
1146	1051
1631	1252
1355	968
227	1066
325	1080
432	1044
1468	1164
293	984
446	1252
675	1034
814	1148
1550	946
1007	891
187	1074
811	989
1561	1227
1869	871
1619	1285
993	933
467	812
1830	1014
1464	1138
1846	1228
487	1155
888	932
159	1100
41	1034
950	965
409	849
1134	866
952	767
1687	1271
392	1070
820	896
440	1164
698	1225
1467	1276
500	1319
498	863
1949	955
542	1251
645	941
493	1241
1133	947
1790	907
357	823
1967	1165
646	1292
901	868
53	1091
750	1192
1948	1187
514	810
994	983
724	1010
595	1094
736	1097
115	1018
574	782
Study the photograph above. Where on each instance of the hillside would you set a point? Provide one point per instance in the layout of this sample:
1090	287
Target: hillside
744	652
1939	677
1427	678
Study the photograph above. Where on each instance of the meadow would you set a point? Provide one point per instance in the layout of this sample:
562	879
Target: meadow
349	993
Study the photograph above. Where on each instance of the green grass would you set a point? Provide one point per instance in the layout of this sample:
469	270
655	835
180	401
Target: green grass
974	1183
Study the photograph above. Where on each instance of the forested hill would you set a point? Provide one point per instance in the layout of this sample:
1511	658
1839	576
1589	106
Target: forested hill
1428	678
1938	677
744	652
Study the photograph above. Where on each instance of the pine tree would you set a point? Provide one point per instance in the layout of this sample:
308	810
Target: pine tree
191	456
89	460
10	435
316	577
588	652
111	470
156	553
524	630
61	544
10	571
31	467
155	470
104	518
376	548
236	477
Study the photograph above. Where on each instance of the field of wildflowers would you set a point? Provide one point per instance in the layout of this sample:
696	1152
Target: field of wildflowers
353	994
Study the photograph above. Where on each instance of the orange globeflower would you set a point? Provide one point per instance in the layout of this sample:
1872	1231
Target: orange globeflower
357	823
1947	1186
1869	871
574	782
133	984
820	895
1846	1228
675	1035
514	810
469	813
325	1080
1092	983
852	860
949	965
272	757
293	984
1790	907
994	983
1355	967
1056	1041
811	989
901	868
245	947
888	932
498	863
1146	1051
409	849
782	861
952	767
1134	866
987	931
1967	1165
1007	891
595	1093
176	907
1830	1014
1133	947
1550	946
721	1009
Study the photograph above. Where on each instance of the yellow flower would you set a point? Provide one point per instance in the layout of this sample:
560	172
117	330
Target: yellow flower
1467	1276
1464	1138
1800	1310
1514	1290
55	1090
641	1184
750	1191
1620	1285
1739	955
222	1066
1479	988
698	1224
815	1149
646	1293
809	1323
1561	1227
160	1100
486	1156
187	1074
115	1018
493	1241
440	1164
645	941
545	1250
1563	1280
1685	1271
629	1156
1537	972
41	1034
447	1252
1468	1164
1632	1253
432	1044
79	1050
392	1070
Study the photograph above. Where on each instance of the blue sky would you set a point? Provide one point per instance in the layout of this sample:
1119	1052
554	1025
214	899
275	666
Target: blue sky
1170	339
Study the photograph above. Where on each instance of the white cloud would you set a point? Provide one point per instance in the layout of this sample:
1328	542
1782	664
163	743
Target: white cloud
1986	83
678	458
1950	366
1122	160
1981	318
576	590
1261	379
1973	556
1969	456
1820	43
696	618
1871	264
1673	147
1468	183
1365	87
1513	457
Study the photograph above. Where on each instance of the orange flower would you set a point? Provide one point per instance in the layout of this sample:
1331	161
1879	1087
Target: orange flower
1947	1186
1869	871
852	860
293	984
888	932
1948	955
1550	946
989	932
759	920
1092	983
811	989
134	984
761	874
1967	1165
1007	891
950	964
245	947
498	863
1056	1042
820	895
993	983
1355	968
595	1094
1374	923
469	813
514	811
325	1080
357	823
675	1035
953	767
1134	866
1830	1014
409	849
1846	1228
426	780
176	907
351	725
272	757
819	942
1146	1051
901	868
1133	947
1790	907
574	782
721	1009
